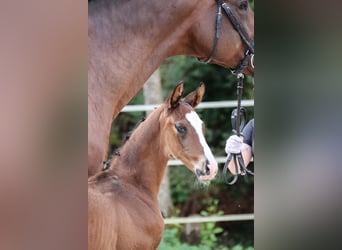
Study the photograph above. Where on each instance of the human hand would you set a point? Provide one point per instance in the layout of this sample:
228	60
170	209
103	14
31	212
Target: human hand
234	144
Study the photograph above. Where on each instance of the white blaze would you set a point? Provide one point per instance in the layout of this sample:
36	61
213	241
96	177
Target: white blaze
196	122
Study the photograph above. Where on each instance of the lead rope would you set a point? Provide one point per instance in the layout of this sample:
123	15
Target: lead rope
238	119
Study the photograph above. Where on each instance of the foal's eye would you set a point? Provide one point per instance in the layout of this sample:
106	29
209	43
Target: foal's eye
243	6
181	129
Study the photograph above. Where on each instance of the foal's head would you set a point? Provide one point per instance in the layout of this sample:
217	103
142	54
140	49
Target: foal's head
184	133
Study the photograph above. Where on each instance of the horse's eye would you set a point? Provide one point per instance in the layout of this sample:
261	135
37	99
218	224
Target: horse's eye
181	129
243	6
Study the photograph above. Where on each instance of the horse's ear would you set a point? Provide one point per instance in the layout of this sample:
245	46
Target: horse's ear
174	98
195	97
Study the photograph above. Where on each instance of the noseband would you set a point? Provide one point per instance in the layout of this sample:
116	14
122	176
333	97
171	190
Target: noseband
249	54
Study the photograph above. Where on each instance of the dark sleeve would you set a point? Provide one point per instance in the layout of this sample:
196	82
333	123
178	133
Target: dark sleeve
248	134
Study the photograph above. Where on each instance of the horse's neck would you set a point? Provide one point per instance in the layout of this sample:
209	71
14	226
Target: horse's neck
124	56
142	159
127	41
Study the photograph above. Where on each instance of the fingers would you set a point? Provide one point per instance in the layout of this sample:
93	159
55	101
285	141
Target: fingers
234	144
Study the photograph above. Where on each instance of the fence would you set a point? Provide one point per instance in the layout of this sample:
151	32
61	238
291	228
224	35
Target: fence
231	217
202	105
219	159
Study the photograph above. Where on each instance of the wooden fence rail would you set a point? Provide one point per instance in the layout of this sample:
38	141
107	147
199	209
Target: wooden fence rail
231	217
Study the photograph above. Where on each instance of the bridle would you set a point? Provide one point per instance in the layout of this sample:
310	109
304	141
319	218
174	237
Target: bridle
238	116
249	54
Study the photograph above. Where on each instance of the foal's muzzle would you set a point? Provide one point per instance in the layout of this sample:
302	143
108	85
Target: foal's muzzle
206	171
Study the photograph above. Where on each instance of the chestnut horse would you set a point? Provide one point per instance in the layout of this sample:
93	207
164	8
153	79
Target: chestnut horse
123	210
128	40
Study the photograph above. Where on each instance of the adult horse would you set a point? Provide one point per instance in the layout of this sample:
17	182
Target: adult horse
128	40
123	210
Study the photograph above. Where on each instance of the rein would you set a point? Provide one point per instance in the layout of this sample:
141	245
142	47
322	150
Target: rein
249	54
238	119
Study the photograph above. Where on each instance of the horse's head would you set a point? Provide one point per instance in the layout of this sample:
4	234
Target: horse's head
231	48
184	136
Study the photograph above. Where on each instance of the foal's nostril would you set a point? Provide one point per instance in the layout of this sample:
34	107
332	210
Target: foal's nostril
207	170
199	172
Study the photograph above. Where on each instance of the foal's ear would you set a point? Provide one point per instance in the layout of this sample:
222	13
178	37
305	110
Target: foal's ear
195	97
173	100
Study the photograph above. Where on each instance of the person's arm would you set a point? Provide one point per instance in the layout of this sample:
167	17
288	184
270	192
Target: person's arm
236	144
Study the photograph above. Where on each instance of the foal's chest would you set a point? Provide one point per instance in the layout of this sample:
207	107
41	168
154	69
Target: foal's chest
140	226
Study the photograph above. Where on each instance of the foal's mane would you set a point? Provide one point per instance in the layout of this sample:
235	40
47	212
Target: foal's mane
116	151
108	173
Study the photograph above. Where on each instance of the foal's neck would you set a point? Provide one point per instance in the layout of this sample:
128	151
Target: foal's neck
142	159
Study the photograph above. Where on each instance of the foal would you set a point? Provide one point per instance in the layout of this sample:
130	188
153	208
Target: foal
123	210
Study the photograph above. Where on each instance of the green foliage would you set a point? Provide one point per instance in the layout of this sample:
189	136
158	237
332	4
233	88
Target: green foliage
171	241
182	184
209	230
220	83
240	247
209	233
251	3
211	207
